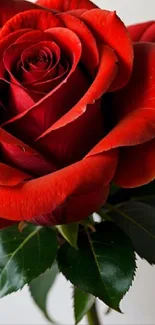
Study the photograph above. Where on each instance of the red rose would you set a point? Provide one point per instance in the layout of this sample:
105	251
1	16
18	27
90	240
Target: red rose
56	158
137	103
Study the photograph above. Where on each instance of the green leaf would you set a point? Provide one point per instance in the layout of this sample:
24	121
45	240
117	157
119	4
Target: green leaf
150	200
39	288
82	304
114	189
70	233
137	220
25	255
104	265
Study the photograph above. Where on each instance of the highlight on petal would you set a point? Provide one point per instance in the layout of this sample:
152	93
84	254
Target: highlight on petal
66	5
136	165
9	8
32	19
43	195
110	30
143	32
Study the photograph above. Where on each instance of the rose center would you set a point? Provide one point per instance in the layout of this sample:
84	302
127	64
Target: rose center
40	60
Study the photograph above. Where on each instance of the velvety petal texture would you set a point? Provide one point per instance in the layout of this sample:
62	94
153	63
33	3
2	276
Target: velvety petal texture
143	32
65	5
46	194
59	62
9	8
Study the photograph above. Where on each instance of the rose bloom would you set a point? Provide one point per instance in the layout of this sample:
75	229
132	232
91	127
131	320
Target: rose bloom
62	140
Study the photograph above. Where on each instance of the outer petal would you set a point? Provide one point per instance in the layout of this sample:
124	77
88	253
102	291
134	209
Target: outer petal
136	128
134	107
66	5
44	195
76	208
85	205
109	29
140	91
136	165
137	155
9	8
32	19
10	176
143	31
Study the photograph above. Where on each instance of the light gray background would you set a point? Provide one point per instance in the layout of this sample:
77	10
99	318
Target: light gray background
139	304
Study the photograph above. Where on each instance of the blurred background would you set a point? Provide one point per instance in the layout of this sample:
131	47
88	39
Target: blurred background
139	304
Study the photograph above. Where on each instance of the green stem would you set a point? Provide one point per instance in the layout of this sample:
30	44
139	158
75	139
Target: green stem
92	316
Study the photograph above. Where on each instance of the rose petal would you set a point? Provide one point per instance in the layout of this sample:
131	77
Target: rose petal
65	5
9	8
136	165
90	55
47	85
30	124
37	36
21	51
109	29
142	31
40	88
77	12
65	138
85	205
149	34
71	143
10	176
33	19
140	91
4	44
43	195
136	128
18	154
34	36
76	208
13	100
18	100
11	57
